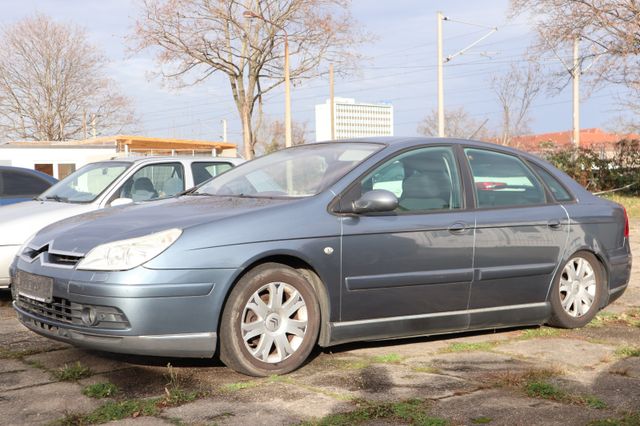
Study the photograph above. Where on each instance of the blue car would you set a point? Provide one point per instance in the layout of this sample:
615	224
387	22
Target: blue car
328	243
18	184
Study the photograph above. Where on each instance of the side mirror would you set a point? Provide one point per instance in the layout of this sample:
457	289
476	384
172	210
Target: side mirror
121	202
376	201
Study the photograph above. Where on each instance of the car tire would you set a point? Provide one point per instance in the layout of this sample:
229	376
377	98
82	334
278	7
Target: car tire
577	291
270	322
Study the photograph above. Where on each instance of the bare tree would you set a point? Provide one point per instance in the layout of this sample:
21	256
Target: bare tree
516	90
611	27
197	38
52	81
270	135
458	124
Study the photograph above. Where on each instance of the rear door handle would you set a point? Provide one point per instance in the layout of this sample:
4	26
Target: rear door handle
458	228
554	223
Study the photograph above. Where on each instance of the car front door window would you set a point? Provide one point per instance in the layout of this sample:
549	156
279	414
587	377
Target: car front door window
154	181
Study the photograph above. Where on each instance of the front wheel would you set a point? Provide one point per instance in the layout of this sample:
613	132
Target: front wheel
577	291
270	322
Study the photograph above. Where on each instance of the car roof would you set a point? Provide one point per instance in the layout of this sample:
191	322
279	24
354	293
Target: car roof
412	140
156	159
29	171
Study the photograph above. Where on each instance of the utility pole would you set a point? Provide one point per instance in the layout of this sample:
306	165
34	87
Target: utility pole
442	60
287	94
93	125
575	73
440	18
332	104
224	129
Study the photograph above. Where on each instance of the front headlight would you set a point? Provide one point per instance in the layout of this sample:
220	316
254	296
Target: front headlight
127	254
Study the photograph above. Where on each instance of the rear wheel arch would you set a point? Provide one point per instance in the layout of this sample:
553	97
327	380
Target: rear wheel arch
560	318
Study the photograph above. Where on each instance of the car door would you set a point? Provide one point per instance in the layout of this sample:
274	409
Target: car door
409	271
520	236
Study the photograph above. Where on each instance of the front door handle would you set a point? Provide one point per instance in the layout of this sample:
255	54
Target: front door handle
554	223
458	228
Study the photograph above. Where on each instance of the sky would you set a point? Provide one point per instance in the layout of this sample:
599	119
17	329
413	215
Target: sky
399	69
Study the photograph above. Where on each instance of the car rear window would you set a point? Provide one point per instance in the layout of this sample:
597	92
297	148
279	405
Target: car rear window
502	180
15	183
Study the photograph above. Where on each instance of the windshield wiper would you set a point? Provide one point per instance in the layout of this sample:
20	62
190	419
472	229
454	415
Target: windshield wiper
56	198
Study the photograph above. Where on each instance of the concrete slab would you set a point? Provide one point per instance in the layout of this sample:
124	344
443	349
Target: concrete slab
71	355
7	365
628	367
280	409
503	407
42	404
23	379
476	365
565	351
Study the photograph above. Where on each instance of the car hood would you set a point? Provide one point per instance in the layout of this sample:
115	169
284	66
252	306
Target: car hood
80	234
19	221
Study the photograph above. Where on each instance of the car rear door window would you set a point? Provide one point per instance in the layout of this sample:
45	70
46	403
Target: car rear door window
423	180
557	190
502	180
205	170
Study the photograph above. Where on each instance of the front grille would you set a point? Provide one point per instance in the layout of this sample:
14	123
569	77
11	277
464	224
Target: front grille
65	311
60	259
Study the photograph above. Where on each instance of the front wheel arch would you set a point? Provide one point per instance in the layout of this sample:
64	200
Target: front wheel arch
310	274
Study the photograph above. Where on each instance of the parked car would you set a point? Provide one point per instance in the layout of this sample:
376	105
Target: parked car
98	185
305	246
18	184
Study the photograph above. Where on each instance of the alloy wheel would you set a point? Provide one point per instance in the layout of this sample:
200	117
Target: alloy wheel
577	287
274	322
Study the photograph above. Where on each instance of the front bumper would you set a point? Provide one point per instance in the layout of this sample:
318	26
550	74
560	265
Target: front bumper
144	311
189	345
7	254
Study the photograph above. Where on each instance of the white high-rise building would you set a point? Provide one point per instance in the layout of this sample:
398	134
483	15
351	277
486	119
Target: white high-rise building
353	120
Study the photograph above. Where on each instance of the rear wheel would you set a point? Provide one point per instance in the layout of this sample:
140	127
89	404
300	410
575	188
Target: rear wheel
577	290
270	322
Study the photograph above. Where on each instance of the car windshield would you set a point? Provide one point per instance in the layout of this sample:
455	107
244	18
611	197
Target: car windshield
85	184
302	171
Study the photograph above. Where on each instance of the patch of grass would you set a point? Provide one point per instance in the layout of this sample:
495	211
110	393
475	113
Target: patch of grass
72	373
238	386
123	409
521	378
631	203
35	364
630	419
630	318
100	390
628	351
469	347
20	353
175	394
112	411
533	333
414	412
425	368
545	390
481	420
387	359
